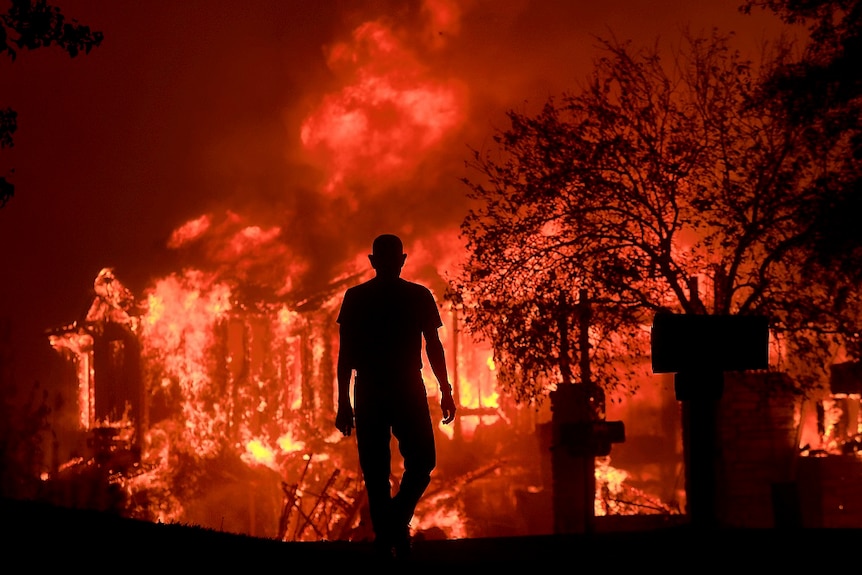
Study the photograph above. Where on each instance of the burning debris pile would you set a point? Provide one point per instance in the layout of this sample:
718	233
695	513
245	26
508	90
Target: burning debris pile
616	497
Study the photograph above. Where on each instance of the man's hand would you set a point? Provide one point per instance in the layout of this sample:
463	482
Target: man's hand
447	404
344	419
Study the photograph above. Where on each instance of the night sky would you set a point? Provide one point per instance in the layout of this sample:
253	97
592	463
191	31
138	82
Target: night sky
285	115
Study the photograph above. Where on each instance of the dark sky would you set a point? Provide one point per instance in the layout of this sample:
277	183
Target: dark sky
197	108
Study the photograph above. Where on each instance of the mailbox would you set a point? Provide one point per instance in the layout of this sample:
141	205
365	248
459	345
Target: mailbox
686	343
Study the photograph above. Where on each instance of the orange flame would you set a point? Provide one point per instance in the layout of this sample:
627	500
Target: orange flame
252	237
178	328
189	231
77	347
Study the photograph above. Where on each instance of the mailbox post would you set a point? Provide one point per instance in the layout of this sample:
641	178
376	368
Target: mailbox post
579	431
698	350
579	434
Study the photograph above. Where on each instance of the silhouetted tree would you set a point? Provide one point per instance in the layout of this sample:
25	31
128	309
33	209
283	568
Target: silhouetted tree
822	93
29	25
658	171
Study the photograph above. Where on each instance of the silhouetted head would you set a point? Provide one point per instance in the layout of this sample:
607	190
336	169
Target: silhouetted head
387	255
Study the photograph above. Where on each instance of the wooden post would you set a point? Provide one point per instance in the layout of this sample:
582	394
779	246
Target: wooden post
575	407
456	388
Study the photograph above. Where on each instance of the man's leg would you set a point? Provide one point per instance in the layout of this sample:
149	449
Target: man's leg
415	434
372	441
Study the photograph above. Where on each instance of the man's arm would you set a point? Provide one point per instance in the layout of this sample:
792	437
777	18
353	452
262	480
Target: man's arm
437	359
344	372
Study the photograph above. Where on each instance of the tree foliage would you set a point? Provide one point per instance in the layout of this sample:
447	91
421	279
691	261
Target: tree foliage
29	25
661	170
822	93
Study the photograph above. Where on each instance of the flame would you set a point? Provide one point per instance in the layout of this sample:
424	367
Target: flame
252	237
289	444
190	231
439	511
257	452
77	347
182	311
609	484
615	497
239	376
832	417
481	393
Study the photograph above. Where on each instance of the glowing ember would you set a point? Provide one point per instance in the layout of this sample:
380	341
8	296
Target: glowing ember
290	445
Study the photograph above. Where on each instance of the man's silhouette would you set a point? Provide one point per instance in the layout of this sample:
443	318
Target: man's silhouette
382	323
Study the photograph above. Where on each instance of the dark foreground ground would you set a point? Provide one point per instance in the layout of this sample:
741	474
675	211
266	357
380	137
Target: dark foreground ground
38	537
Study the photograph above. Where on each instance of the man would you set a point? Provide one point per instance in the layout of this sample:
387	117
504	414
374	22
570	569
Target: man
382	323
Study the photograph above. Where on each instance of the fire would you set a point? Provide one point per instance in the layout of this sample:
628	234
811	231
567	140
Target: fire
252	237
609	483
288	444
615	497
260	451
479	395
189	231
182	311
257	452
77	346
438	511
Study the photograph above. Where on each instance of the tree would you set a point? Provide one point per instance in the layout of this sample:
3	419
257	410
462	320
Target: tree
29	25
663	184
827	76
822	94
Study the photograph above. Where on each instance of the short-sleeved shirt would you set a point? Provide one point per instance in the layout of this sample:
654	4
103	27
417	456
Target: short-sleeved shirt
382	322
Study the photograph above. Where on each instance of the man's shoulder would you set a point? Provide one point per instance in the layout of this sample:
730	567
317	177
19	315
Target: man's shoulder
375	289
414	285
364	287
377	283
417	290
